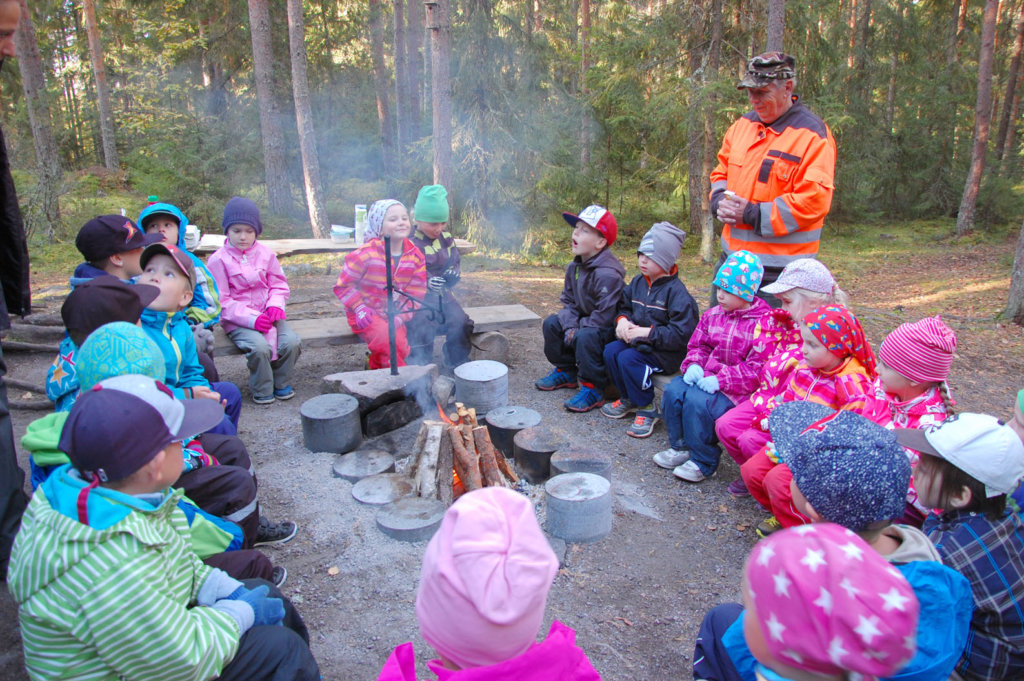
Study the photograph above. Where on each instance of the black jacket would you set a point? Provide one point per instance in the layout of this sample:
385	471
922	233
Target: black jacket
14	264
668	308
591	292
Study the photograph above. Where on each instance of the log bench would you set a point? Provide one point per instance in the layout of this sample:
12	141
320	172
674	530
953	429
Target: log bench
325	331
282	247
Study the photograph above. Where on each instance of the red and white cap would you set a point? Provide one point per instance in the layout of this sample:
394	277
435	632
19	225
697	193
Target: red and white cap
598	217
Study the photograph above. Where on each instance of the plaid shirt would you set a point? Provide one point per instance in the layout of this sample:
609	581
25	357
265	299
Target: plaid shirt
990	554
724	344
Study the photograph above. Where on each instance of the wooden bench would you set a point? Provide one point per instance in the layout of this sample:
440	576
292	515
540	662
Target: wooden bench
282	247
325	331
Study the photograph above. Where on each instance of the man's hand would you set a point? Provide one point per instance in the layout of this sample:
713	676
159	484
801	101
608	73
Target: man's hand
730	208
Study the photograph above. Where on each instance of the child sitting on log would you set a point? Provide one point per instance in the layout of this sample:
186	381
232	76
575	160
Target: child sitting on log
480	604
441	311
656	317
574	337
253	295
362	284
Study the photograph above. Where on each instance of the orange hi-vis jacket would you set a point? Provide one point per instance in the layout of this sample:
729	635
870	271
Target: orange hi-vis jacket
785	170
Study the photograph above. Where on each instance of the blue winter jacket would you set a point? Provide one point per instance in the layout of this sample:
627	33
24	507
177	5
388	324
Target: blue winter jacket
205	306
174	336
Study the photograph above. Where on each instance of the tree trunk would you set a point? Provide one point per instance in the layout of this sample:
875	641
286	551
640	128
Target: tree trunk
401	80
382	88
275	162
214	82
707	223
983	112
92	30
33	82
1007	119
776	25
304	118
440	69
1015	306
584	67
414	41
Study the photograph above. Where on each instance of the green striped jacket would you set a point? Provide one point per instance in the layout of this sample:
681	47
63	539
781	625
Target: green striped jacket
113	603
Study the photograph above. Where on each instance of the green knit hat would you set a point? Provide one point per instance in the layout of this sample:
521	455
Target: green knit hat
431	204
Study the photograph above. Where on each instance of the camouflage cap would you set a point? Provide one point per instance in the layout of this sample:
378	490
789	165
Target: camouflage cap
764	68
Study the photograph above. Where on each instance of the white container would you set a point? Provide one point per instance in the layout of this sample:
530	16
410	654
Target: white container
360	223
192	237
341	233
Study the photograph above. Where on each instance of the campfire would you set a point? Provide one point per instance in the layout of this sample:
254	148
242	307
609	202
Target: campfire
454	455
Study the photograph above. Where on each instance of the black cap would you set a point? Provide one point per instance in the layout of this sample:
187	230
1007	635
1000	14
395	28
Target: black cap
107	235
101	301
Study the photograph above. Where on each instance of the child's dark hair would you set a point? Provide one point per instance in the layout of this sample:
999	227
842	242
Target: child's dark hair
952	480
101	264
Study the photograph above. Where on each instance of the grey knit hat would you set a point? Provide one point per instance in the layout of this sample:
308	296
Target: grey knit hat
662	244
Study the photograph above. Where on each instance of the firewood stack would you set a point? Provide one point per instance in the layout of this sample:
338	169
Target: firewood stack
455	455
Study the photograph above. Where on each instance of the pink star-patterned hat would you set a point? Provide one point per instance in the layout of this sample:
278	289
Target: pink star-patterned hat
828	603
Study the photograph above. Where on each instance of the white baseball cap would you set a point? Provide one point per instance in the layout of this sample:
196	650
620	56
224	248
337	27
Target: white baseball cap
978	444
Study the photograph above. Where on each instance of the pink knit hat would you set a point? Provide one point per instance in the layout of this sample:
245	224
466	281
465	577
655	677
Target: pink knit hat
485	579
828	603
922	351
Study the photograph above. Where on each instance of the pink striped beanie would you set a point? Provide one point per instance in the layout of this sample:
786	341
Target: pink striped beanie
922	351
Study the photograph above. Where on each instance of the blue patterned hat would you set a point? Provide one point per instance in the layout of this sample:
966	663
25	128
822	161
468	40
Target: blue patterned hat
851	470
115	350
740	275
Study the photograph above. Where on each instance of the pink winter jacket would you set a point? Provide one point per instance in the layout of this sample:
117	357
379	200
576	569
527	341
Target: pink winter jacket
249	283
557	658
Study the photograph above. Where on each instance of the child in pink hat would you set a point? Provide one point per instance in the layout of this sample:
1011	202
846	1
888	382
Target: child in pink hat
913	364
822	604
483	588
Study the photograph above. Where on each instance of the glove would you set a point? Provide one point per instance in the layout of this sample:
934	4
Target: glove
203	338
708	384
451	276
693	374
436	285
364	316
275	314
570	336
263	323
265	610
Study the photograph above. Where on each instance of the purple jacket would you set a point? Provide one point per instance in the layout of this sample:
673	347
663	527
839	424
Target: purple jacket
248	282
557	658
724	346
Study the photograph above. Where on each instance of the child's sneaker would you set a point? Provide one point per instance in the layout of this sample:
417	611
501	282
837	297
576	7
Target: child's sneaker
670	458
285	393
738	488
643	424
278	577
690	472
557	379
263	399
767	527
274	533
618	409
586	399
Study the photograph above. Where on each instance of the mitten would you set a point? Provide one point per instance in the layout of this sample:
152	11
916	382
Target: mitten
436	285
364	316
218	585
693	374
569	336
203	338
265	610
708	384
263	323
276	314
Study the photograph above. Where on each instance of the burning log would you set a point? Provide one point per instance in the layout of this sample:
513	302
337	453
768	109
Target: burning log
466	465
488	464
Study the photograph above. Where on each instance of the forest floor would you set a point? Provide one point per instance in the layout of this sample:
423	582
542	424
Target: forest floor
636	597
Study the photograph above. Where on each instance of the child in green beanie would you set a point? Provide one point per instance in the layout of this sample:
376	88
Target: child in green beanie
440	311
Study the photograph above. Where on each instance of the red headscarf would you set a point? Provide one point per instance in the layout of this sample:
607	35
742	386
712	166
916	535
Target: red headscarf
841	334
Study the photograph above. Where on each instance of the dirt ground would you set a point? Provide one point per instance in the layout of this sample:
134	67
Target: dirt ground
634	598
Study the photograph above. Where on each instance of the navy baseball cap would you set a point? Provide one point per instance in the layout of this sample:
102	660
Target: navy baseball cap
106	235
851	470
119	425
101	301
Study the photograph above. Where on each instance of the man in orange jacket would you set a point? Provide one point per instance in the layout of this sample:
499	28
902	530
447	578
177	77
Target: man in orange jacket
772	187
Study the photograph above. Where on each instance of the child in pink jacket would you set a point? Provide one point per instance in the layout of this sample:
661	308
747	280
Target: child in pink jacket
253	295
480	604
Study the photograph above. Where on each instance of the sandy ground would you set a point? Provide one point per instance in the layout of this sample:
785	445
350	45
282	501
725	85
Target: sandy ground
634	598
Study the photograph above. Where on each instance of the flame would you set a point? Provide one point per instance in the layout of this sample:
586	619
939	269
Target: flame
444	416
